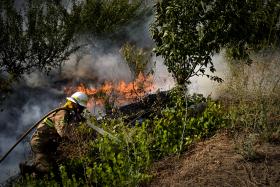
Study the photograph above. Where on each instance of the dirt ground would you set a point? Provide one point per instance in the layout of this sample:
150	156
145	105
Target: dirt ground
218	162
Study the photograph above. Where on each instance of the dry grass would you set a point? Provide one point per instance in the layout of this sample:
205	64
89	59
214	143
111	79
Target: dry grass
216	163
251	94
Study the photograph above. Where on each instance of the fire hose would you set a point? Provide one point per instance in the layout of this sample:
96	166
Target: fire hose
99	130
102	132
29	130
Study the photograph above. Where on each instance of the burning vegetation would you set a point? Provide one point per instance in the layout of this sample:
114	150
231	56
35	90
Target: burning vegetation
116	94
150	126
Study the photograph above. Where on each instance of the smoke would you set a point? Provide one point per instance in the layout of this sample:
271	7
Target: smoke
21	111
263	74
38	93
162	78
139	31
204	85
259	80
95	69
36	79
112	68
99	61
78	69
199	84
10	166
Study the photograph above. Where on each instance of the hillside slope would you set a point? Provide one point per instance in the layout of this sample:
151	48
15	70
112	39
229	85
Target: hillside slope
217	162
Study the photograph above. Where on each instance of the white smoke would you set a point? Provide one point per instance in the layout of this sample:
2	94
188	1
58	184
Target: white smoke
139	32
111	67
95	69
204	85
78	66
163	80
36	79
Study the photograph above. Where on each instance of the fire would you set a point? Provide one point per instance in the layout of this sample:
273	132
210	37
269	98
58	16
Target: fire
116	94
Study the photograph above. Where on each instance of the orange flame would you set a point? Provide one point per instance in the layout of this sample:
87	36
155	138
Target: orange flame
117	94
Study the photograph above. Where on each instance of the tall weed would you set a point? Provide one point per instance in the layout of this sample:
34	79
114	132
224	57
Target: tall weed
251	95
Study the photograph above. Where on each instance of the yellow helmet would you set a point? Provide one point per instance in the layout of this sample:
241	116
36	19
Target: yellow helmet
79	98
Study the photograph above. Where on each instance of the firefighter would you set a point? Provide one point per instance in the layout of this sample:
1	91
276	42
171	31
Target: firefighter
49	133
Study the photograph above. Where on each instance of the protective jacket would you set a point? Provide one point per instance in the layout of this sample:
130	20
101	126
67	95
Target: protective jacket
49	133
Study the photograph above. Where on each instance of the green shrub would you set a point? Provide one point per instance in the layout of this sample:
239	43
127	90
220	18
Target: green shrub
53	181
121	162
169	128
125	160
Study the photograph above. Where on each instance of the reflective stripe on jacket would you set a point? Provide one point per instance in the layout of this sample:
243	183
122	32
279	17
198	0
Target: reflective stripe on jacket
54	127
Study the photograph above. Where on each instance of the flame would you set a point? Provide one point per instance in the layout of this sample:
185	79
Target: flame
118	94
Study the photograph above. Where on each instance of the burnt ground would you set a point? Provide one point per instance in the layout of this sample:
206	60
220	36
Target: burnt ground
218	162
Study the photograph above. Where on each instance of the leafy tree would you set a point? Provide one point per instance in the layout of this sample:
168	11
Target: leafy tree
38	38
136	58
99	17
188	32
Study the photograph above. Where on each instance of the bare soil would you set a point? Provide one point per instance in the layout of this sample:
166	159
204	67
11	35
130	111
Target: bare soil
219	162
